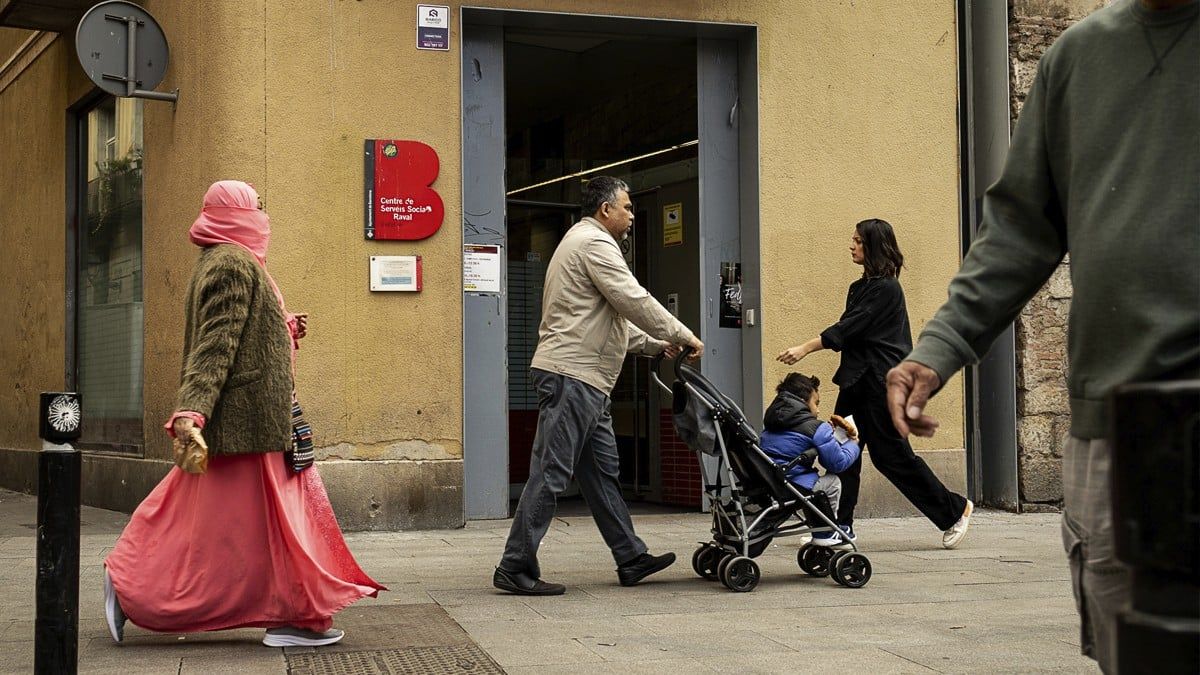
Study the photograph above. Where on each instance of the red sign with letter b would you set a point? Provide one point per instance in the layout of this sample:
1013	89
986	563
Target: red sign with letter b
400	202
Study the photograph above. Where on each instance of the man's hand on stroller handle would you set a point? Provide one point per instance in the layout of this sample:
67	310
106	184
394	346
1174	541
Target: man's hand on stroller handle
696	348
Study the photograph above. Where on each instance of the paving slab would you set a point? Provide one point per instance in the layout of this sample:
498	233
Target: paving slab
657	667
1000	603
529	650
727	645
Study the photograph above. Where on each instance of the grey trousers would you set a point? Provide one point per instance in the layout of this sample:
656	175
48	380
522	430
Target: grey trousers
1100	583
574	436
831	485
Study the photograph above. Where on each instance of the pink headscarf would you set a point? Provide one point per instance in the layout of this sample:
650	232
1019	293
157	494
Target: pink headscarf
231	216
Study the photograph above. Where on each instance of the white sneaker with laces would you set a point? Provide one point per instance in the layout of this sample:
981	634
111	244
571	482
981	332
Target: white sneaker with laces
290	636
952	536
112	610
826	539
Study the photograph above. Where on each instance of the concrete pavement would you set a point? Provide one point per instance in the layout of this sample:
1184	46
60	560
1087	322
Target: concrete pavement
1001	603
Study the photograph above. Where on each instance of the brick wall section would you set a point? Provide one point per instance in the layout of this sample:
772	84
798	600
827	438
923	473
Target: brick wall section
1043	414
680	467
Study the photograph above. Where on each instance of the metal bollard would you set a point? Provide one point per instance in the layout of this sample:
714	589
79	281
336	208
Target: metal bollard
56	628
1156	524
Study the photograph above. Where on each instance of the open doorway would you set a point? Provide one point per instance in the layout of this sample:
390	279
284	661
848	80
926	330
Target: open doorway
576	106
548	101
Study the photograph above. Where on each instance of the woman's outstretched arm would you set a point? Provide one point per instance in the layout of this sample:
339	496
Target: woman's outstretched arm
794	354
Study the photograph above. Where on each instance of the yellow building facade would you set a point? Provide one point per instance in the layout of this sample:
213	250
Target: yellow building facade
855	115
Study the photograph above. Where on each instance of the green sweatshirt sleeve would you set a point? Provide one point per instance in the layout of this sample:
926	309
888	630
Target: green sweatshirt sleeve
1021	241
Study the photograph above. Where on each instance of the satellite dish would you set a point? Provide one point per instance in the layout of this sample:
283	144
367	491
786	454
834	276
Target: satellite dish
123	50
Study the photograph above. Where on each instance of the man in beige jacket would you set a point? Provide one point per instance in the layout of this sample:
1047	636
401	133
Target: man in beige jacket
594	311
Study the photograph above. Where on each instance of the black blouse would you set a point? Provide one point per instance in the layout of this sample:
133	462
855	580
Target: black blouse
873	334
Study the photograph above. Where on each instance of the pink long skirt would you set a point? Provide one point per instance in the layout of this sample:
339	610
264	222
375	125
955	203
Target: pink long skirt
249	543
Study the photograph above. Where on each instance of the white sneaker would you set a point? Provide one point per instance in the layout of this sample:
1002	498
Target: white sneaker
952	536
112	610
289	636
826	539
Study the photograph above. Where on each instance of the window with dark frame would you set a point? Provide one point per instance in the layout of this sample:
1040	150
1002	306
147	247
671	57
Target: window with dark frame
108	310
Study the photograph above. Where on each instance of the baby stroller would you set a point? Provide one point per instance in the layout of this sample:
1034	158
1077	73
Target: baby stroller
749	496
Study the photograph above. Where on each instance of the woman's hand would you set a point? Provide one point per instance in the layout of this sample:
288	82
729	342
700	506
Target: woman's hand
792	355
191	452
301	325
183	427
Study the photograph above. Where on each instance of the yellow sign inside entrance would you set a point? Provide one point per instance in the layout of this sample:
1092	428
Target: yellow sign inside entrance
672	225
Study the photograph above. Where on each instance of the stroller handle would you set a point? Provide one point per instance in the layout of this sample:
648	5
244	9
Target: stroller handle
656	364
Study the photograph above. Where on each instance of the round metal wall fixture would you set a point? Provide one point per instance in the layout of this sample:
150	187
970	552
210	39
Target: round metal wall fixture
116	37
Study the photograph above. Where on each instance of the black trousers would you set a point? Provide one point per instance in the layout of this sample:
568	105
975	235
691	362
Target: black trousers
892	455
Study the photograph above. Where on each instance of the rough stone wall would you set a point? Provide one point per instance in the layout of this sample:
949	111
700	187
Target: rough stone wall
1043	413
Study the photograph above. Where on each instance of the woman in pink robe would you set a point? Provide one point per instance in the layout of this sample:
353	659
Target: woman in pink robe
252	541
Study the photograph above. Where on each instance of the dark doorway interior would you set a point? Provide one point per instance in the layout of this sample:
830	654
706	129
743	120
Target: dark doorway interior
575	103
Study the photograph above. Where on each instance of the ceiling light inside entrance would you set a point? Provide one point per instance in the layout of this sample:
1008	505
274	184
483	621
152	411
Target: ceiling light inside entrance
602	168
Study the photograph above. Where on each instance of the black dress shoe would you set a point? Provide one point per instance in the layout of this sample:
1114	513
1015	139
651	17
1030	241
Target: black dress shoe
643	566
522	583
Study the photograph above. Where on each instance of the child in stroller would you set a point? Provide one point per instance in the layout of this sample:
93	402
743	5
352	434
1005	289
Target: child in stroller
791	427
748	493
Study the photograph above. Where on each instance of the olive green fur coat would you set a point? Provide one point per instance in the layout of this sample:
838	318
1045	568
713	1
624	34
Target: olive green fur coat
237	368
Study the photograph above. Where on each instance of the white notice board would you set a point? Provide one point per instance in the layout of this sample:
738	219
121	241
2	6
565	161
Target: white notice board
481	268
395	273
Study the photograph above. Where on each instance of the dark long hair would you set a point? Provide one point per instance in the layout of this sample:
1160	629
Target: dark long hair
881	253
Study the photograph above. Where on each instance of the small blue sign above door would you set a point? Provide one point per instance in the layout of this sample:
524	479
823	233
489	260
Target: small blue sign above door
433	27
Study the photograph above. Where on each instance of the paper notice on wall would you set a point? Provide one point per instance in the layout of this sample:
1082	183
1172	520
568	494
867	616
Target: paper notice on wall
481	268
396	273
672	225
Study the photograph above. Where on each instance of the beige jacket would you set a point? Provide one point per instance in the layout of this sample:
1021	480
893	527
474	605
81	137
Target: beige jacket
594	311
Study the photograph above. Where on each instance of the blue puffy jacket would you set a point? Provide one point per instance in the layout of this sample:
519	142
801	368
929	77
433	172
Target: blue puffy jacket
790	428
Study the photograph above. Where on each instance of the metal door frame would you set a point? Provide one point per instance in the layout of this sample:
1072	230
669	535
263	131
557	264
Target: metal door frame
485	315
990	387
485	334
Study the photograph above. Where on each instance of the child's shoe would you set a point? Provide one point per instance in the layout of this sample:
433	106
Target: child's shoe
829	539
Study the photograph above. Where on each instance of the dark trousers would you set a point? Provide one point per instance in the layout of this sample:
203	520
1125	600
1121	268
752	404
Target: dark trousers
574	437
892	455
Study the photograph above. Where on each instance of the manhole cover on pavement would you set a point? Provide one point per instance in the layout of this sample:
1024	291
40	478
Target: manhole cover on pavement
454	659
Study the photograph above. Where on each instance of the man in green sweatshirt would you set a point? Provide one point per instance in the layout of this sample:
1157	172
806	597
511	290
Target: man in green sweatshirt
1105	165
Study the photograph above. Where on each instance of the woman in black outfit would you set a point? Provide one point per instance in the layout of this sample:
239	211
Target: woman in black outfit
873	335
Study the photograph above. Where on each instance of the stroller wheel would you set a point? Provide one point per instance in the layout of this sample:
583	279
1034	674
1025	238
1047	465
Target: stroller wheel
740	574
816	561
704	561
725	559
852	570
